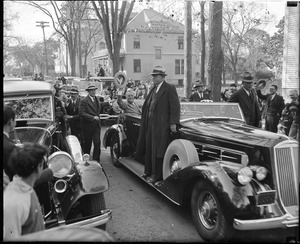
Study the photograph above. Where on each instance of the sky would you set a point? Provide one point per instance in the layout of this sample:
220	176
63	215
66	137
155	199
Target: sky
26	27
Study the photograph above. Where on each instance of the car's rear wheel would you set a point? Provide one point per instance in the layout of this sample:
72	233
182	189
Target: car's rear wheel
179	154
115	150
207	214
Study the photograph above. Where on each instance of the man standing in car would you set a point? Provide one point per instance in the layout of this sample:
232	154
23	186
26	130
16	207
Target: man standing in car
247	99
89	111
160	117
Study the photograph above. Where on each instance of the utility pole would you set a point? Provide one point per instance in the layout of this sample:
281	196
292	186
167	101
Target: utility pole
44	24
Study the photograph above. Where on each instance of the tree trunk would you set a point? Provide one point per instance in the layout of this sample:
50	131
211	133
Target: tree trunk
188	49
215	51
203	48
116	57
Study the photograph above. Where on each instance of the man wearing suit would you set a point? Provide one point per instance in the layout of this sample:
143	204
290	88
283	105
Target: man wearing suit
72	116
9	124
89	111
201	93
274	105
160	117
247	99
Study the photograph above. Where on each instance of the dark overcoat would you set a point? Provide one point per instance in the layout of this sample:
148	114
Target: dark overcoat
273	106
87	111
248	104
73	110
166	112
196	98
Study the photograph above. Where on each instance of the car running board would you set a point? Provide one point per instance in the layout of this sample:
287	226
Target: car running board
138	169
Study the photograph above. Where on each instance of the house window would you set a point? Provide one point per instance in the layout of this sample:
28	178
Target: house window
180	82
157	53
180	42
179	66
137	66
136	42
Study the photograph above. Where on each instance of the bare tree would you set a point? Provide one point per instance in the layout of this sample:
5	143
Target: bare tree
215	52
239	19
92	33
114	22
65	20
187	49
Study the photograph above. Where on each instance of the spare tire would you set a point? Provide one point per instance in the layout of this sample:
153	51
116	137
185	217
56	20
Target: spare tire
179	154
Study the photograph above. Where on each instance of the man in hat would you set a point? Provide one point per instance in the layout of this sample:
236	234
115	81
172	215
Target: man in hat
201	93
274	104
160	116
247	99
89	112
72	116
228	92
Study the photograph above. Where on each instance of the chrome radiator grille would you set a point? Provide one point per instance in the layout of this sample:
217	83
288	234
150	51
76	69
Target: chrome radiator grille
286	163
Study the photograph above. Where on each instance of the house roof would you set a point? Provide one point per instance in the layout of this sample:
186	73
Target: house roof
150	20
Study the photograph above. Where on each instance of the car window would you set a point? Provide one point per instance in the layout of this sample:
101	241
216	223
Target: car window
205	110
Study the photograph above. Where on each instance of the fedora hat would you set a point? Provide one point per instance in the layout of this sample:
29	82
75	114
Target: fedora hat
198	84
74	90
91	87
158	70
261	84
293	108
247	77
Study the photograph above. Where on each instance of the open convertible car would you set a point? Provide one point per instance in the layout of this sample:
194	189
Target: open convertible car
74	196
234	176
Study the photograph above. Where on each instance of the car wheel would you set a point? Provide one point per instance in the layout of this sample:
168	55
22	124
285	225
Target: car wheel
207	214
94	205
115	150
179	154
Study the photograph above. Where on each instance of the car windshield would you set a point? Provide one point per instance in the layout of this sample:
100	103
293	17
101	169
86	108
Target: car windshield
31	134
38	108
190	110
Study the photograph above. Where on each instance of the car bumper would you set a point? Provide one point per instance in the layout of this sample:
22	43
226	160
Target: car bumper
94	221
285	221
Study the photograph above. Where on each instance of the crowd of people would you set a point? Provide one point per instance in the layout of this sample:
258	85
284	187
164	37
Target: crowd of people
81	117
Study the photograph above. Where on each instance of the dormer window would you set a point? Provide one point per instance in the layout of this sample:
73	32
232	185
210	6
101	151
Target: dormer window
180	42
136	42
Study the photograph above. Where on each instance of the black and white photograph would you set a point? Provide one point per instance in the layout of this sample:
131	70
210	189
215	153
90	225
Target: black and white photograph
151	121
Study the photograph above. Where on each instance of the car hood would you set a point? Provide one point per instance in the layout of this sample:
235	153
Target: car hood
231	131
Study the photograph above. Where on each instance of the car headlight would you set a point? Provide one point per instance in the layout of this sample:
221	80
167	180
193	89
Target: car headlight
260	172
244	175
60	163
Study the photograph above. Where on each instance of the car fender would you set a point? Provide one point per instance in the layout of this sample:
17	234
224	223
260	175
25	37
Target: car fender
234	197
74	147
117	128
91	179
